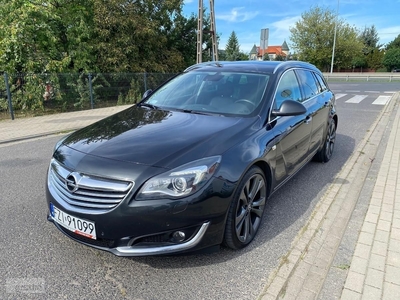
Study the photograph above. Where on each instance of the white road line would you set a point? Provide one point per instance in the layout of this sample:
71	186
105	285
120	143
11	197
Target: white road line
375	92
390	92
382	100
357	99
338	96
351	91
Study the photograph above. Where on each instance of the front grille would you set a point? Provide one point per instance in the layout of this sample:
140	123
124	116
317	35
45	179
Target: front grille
86	191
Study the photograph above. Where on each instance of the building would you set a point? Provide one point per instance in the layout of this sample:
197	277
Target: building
257	53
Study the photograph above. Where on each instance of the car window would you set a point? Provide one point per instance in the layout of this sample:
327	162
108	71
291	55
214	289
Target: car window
287	89
321	82
215	92
308	84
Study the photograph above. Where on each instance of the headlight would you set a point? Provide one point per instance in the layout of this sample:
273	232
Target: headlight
180	182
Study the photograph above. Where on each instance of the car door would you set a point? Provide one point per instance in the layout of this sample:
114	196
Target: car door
317	104
293	131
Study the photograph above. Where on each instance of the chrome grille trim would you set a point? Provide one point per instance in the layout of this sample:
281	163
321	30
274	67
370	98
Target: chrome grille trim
84	191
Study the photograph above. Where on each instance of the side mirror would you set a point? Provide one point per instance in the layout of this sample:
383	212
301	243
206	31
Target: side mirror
289	108
147	93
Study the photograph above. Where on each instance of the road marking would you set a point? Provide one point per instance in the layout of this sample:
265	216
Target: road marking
357	99
375	92
351	91
390	92
338	96
382	100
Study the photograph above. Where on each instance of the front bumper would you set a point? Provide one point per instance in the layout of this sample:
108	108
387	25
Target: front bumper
141	250
141	228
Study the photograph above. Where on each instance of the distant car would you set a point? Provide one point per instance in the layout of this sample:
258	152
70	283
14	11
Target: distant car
193	164
396	70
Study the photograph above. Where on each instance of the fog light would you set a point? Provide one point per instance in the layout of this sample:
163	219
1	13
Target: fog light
178	236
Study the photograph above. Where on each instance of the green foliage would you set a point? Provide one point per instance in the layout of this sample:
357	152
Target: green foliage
134	94
280	57
266	57
392	59
394	44
81	87
369	38
232	48
312	39
51	37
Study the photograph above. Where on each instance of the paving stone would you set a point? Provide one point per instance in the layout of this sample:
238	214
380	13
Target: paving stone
354	282
350	295
379	248
362	251
392	275
384	225
382	236
377	262
374	278
391	291
394	245
359	265
370	293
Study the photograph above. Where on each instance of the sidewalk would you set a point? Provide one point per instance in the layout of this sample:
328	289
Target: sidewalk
350	246
25	128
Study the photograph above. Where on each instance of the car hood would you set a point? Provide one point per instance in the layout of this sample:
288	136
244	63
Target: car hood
160	138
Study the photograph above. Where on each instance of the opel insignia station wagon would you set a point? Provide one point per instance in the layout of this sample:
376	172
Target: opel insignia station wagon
193	163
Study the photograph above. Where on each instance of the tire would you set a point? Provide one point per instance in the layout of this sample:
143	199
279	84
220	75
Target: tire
325	154
246	210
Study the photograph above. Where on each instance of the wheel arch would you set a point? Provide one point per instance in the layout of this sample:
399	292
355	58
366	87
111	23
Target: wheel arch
264	166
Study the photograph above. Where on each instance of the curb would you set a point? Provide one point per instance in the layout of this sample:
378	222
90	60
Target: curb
34	136
302	271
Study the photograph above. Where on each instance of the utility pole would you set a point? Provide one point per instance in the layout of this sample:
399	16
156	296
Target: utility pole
334	37
212	31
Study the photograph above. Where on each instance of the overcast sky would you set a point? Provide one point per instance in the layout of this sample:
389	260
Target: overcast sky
248	17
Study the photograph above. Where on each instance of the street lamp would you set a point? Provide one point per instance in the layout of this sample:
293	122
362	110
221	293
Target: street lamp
334	36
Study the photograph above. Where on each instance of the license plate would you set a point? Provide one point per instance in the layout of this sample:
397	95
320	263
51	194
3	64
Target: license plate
74	224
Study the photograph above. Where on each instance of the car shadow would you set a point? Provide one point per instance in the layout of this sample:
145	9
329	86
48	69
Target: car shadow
290	206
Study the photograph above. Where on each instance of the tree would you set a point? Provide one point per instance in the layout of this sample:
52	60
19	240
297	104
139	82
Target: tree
391	59
371	49
45	37
266	57
369	37
394	44
132	36
312	39
279	57
232	48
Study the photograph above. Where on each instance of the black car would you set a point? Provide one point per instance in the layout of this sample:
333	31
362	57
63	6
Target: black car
193	164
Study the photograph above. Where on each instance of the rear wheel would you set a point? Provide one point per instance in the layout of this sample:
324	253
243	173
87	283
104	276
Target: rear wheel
246	210
325	154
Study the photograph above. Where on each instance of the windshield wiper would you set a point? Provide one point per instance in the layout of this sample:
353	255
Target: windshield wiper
145	104
197	112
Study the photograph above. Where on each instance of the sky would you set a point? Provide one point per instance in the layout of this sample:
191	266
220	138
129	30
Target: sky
248	17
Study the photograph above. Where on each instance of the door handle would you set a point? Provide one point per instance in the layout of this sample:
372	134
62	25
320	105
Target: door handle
308	119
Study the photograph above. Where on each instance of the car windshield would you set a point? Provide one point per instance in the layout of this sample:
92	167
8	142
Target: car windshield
212	92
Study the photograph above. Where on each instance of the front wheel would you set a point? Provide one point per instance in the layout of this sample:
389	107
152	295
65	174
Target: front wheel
246	210
325	154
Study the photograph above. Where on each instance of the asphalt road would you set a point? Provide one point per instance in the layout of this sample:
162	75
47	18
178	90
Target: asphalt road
34	253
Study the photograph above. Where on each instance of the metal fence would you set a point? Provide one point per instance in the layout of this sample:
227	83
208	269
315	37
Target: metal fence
367	76
39	94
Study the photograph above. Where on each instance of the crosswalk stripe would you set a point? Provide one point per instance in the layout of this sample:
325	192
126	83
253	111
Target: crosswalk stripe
338	96
357	99
382	100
